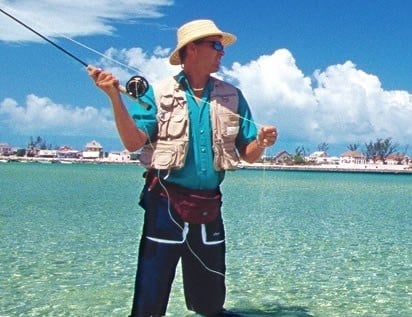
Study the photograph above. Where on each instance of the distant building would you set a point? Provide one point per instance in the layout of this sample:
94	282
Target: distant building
352	157
66	152
318	157
282	157
116	156
5	149
93	150
47	153
397	159
321	157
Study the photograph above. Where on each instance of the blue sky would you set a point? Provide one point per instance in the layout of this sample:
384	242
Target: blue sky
321	71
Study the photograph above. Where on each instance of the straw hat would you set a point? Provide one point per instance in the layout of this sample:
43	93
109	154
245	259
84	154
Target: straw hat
195	30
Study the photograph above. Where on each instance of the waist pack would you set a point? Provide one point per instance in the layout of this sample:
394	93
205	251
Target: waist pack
193	206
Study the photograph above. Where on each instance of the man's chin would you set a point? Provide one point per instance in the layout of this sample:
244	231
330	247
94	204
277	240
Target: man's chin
216	68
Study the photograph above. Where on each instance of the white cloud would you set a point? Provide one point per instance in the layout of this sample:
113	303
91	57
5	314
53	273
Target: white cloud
42	116
352	106
154	66
72	18
341	104
277	77
277	91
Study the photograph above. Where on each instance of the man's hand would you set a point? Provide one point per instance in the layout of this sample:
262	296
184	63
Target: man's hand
267	136
104	80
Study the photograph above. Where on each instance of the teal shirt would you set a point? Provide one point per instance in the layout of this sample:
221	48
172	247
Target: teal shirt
198	171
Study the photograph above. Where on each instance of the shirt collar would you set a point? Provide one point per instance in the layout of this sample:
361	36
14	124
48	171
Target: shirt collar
182	79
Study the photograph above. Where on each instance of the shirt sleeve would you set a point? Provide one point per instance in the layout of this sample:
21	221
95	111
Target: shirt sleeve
144	112
247	127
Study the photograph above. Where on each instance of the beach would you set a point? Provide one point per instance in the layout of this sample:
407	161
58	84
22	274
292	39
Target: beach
352	168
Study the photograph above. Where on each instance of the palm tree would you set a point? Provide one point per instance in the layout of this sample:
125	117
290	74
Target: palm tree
353	147
380	149
300	154
323	147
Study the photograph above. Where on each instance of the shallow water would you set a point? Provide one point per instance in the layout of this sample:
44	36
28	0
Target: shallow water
299	243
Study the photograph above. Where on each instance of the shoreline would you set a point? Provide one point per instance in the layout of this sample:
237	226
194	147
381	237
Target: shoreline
343	168
54	160
347	168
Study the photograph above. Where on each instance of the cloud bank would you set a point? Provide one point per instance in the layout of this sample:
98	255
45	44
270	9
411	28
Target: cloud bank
339	105
40	115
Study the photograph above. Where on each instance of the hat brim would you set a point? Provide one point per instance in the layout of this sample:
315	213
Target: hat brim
227	39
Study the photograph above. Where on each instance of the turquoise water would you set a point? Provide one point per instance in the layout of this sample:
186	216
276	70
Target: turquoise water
299	243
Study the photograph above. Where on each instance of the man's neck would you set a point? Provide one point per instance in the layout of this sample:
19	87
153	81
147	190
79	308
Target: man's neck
196	81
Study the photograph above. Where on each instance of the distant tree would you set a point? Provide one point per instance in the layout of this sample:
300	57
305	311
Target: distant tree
21	152
299	156
353	147
39	140
134	156
31	147
30	143
405	151
38	143
323	147
380	149
34	142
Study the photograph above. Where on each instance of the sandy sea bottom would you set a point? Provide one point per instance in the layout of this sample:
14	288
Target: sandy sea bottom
298	243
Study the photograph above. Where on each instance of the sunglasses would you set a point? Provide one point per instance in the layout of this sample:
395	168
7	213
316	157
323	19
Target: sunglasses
215	44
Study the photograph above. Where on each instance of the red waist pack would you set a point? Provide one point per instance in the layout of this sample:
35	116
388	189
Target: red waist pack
194	206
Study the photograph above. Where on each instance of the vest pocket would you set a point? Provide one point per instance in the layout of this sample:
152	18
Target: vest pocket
174	127
226	157
172	117
165	154
229	125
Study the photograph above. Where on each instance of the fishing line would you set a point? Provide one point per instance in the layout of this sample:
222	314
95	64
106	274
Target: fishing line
169	211
75	42
136	87
164	187
45	38
99	53
181	228
136	70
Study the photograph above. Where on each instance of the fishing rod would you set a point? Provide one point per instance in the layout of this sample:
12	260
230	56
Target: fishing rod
135	86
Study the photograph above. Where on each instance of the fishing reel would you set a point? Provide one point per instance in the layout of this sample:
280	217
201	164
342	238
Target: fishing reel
137	86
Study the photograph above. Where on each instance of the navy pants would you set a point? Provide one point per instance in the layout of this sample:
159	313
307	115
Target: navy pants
165	240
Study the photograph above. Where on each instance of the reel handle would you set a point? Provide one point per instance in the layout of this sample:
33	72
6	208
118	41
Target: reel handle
136	87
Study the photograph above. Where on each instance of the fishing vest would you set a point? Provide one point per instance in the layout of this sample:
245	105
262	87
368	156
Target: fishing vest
170	148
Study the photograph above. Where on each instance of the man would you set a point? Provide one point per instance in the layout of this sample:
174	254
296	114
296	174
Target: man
193	130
